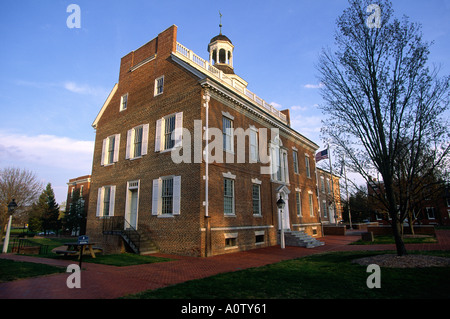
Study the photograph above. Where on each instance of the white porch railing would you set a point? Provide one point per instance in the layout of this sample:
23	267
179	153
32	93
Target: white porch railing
206	66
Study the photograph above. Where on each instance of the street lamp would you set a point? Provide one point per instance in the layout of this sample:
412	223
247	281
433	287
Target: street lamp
280	205
11	207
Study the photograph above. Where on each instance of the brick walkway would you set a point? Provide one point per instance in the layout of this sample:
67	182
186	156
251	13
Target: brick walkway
106	282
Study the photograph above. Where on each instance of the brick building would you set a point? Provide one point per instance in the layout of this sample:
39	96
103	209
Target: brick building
149	176
330	208
83	185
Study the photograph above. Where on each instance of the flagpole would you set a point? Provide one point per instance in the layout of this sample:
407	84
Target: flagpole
332	185
348	198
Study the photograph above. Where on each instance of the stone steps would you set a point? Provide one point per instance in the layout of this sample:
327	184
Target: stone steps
301	239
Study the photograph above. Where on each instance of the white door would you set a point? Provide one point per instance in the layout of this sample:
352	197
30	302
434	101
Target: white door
285	214
133	208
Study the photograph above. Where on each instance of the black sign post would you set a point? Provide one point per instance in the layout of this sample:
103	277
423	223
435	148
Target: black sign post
82	240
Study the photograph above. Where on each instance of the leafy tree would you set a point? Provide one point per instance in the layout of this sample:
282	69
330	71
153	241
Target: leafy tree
19	184
380	95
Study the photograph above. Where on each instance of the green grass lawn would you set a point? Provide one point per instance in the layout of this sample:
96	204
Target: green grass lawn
324	276
13	270
390	240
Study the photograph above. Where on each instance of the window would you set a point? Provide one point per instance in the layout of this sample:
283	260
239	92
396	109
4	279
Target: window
169	132
123	102
279	162
159	85
253	145
256	198
328	186
324	209
169	127
110	149
295	159
105	201
430	212
299	203
137	142
308	172
322	184
259	237
166	196
228	196
227	134
311	206
230	240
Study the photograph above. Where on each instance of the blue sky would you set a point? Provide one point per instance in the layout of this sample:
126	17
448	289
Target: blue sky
54	80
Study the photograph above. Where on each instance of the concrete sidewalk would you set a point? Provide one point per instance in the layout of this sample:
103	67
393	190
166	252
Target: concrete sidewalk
106	282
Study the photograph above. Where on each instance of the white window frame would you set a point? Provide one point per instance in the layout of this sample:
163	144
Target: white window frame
279	162
258	214
159	83
311	204
123	102
295	160
228	134
105	150
325	209
233	197
157	196
101	200
308	166
253	139
298	200
177	133
433	211
130	151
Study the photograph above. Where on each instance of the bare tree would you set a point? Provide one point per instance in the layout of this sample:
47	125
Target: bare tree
19	184
384	105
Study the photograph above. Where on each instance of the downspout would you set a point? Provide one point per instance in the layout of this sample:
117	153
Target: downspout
206	154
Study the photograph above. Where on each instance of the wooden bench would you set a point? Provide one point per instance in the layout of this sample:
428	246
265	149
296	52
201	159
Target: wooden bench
67	252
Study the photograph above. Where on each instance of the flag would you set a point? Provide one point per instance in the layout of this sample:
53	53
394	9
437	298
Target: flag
321	155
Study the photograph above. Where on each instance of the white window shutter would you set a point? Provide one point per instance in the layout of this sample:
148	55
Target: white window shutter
176	195
155	196
145	139
116	147
129	143
105	144
112	200
99	202
178	129
158	136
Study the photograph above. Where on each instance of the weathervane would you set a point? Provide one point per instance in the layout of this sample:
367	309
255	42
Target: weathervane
220	25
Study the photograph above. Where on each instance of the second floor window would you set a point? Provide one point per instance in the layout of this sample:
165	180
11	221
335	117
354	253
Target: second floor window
159	85
227	134
137	142
169	131
123	102
110	149
308	171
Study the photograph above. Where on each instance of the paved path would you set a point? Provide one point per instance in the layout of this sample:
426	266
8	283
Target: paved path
106	282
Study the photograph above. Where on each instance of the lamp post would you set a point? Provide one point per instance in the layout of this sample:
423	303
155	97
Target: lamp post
280	205
11	207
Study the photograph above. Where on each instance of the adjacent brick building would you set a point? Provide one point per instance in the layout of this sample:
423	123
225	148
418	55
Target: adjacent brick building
330	207
148	169
83	185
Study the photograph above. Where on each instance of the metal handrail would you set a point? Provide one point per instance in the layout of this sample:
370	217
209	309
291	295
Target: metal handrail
119	225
